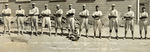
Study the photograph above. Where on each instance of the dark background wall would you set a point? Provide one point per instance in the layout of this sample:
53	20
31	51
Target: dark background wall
104	5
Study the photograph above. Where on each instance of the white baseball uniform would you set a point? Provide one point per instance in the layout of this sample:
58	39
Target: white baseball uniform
6	18
129	22
143	22
113	22
70	18
84	22
97	21
34	18
20	18
46	19
58	19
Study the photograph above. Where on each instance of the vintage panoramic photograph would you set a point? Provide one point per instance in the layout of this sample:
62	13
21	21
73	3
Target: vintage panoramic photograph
74	26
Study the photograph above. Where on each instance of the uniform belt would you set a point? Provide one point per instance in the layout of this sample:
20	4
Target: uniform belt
45	15
112	16
96	17
70	17
57	15
128	18
36	15
33	14
70	14
83	16
143	17
20	15
5	14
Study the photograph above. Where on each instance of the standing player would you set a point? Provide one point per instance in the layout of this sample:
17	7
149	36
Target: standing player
129	16
143	22
34	12
46	18
84	14
70	19
6	16
20	13
58	19
97	21
113	15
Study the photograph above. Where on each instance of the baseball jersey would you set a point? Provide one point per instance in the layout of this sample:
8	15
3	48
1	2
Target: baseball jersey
60	11
97	13
20	11
6	11
113	12
71	11
84	12
129	14
34	11
47	12
144	14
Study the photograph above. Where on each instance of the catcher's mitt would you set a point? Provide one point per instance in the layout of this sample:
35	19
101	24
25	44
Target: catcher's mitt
74	37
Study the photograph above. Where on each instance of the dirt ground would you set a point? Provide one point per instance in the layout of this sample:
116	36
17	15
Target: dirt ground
45	43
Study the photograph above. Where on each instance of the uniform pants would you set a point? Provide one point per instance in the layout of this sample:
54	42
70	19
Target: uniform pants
84	24
34	21
71	23
46	20
7	22
20	22
58	23
129	25
113	24
143	25
97	25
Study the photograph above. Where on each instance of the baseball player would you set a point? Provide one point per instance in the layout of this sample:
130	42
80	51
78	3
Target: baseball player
20	13
84	14
143	22
70	19
46	18
6	16
34	12
97	21
129	16
113	15
58	19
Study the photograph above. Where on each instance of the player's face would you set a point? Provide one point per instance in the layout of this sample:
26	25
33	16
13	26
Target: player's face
19	7
96	8
57	7
143	10
45	7
113	7
129	8
6	6
33	5
70	6
83	7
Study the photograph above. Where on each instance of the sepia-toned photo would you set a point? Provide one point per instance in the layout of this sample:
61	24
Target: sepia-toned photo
74	26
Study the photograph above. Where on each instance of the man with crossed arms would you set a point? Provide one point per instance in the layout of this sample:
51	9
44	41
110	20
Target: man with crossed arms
70	20
97	15
129	16
84	14
46	18
58	19
34	12
20	13
113	22
143	22
6	13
